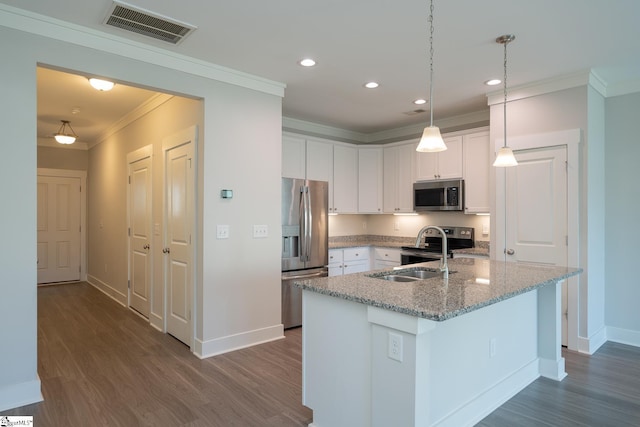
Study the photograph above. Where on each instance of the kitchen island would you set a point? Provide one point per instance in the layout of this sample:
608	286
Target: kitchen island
428	352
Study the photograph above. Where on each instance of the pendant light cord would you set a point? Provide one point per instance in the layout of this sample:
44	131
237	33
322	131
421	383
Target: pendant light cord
505	94
431	63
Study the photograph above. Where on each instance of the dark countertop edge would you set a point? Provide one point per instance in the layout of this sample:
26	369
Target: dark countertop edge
438	317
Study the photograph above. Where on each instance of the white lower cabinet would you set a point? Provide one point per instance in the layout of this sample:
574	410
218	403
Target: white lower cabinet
385	258
347	261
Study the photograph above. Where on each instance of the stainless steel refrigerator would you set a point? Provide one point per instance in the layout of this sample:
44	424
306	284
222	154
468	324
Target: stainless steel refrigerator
305	235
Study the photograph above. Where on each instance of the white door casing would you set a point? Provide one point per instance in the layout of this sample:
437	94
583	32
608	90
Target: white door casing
58	228
568	141
140	218
179	214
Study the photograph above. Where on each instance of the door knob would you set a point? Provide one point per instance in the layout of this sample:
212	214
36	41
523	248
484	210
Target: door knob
146	246
509	251
166	251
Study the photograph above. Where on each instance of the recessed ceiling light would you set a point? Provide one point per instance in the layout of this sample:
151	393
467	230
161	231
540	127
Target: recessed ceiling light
101	85
420	101
307	62
493	82
371	85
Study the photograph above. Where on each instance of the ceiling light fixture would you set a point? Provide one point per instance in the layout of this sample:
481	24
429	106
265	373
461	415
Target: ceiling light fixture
493	82
505	156
64	136
101	85
307	62
420	101
371	85
431	141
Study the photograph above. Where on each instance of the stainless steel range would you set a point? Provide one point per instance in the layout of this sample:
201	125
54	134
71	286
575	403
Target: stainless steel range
431	248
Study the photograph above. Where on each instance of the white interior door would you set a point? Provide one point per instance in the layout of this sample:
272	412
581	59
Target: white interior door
537	211
179	212
140	226
58	225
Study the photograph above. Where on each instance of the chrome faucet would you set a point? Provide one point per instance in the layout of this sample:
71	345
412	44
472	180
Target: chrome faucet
444	267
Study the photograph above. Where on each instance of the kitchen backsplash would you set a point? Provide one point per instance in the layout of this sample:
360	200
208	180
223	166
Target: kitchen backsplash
405	225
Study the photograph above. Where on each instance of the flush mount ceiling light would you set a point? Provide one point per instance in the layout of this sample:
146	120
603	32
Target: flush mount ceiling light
371	85
101	85
431	141
493	82
307	62
64	136
420	101
505	156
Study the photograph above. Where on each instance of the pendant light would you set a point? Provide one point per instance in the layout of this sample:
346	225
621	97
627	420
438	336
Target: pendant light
505	156
431	141
64	136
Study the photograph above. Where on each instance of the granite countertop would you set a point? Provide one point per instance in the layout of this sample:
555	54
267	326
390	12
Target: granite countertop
473	283
342	242
477	251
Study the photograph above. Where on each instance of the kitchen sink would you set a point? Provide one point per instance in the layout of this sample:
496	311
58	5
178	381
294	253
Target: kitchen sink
410	275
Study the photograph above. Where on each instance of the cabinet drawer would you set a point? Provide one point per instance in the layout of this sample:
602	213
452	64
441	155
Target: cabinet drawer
335	256
354	254
385	254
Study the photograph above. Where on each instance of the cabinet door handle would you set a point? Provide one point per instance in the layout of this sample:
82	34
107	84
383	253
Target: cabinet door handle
510	251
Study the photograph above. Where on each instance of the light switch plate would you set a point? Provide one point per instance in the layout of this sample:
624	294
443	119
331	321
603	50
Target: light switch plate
222	231
260	231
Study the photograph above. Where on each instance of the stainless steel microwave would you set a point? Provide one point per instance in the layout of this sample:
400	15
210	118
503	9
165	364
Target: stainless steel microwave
438	195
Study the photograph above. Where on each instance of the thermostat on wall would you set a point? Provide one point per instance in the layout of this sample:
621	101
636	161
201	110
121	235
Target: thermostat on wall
226	194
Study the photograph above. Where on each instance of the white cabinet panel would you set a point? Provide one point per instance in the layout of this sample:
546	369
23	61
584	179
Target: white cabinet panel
320	164
370	180
347	261
398	178
293	157
476	159
345	179
443	165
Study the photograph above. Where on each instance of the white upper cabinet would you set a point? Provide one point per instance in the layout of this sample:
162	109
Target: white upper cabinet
477	165
345	179
398	178
293	157
443	165
320	164
370	180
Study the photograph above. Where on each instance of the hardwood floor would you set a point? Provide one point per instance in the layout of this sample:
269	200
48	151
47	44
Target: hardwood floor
102	365
600	390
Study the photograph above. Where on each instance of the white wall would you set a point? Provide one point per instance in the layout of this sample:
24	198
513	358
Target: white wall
240	150
622	207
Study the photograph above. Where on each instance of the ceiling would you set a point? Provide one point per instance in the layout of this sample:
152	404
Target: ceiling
357	41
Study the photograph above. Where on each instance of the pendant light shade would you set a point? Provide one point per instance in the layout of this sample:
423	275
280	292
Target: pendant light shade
505	156
64	135
431	141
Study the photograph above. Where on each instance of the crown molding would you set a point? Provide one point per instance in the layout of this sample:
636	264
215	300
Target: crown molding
406	132
624	88
542	87
29	22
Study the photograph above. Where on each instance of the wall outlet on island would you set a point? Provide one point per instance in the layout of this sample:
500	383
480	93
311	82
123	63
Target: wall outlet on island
395	346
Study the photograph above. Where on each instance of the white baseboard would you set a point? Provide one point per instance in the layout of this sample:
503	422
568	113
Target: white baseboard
156	322
623	336
552	369
593	343
204	349
482	405
116	295
17	395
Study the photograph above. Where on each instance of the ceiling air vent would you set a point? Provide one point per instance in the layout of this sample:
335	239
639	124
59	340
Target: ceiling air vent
127	17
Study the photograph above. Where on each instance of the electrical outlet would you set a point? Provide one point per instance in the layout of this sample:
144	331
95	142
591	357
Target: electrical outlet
260	231
492	347
485	229
396	225
222	231
395	346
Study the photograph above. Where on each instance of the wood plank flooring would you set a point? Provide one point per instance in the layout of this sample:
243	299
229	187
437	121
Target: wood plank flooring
102	365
